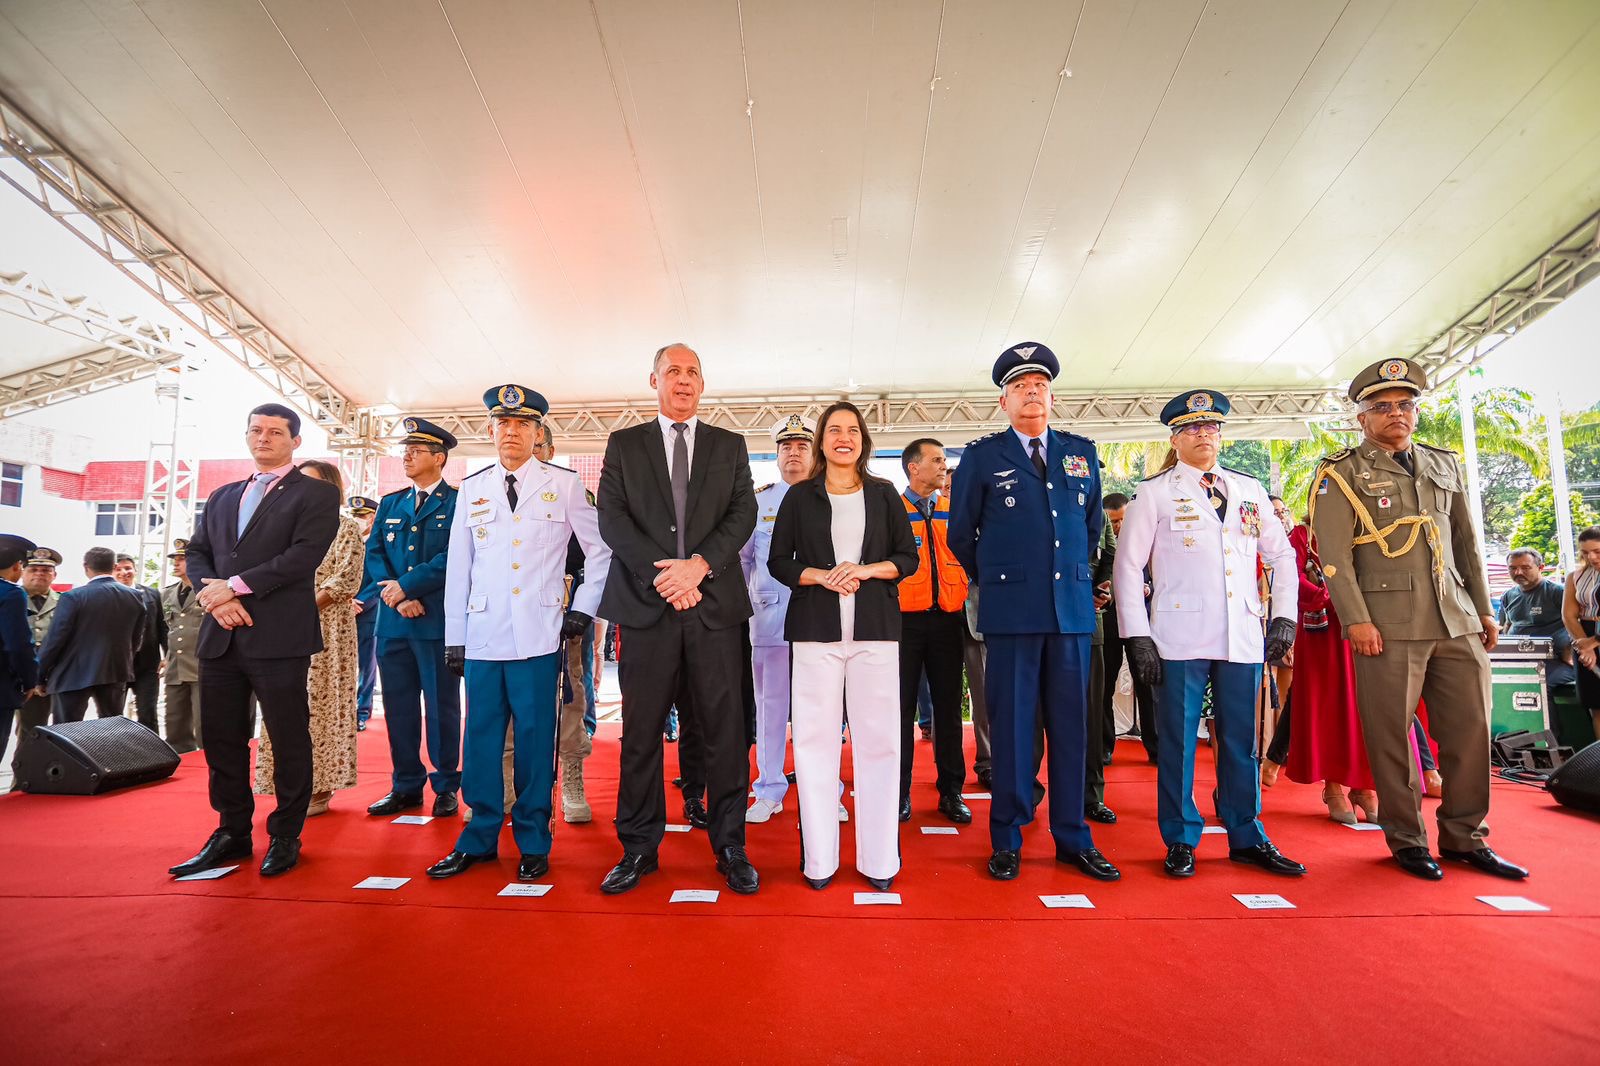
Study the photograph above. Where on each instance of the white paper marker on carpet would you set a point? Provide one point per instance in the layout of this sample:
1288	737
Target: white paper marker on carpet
1363	826
940	831
1263	902
975	795
208	875
674	828
1077	902
1499	903
694	895
1212	830
387	883
868	899
517	888
411	819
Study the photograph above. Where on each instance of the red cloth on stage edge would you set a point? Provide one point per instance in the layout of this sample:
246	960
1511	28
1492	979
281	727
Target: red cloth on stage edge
1325	741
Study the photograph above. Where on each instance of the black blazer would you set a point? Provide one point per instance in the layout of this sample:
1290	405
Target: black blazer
639	524
277	557
148	657
96	630
802	536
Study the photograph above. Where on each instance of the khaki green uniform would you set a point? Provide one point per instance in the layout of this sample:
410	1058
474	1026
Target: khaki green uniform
182	675
1399	551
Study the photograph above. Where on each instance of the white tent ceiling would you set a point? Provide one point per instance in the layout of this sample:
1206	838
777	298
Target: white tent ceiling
427	198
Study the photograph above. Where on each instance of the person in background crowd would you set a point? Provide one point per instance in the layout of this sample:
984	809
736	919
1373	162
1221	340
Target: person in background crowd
146	685
365	605
505	627
255	557
1534	608
973	656
39	572
933	596
19	664
1096	743
334	673
1580	610
1144	700
183	615
769	598
1202	529
1400	554
677	589
406	557
841	542
1013	486
89	652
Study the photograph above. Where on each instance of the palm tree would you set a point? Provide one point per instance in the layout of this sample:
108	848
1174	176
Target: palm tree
1507	421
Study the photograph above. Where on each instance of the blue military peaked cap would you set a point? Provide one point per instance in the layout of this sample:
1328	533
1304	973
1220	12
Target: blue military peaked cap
514	401
1029	357
359	504
10	542
421	431
1192	408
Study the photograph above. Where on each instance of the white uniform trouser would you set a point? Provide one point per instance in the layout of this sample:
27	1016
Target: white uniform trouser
771	669
868	672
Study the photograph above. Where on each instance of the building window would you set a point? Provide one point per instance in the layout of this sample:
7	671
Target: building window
118	519
10	484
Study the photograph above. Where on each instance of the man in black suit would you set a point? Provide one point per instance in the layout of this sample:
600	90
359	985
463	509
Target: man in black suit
254	559
676	504
19	669
98	629
146	686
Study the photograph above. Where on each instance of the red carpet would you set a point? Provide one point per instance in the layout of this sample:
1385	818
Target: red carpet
108	960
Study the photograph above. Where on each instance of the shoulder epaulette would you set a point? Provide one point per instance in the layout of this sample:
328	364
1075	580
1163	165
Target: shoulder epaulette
986	436
1336	456
396	492
1067	434
1158	473
1435	448
475	473
764	488
1242	473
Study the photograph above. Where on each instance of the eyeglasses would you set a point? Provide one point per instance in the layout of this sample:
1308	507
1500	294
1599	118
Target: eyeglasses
1206	429
417	449
1385	407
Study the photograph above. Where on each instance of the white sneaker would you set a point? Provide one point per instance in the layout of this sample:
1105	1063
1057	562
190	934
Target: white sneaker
762	810
844	815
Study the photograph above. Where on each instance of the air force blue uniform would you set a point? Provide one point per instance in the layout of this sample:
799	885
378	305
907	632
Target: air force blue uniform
409	545
1025	540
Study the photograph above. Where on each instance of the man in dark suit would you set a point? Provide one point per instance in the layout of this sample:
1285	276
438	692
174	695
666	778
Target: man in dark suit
19	669
89	653
146	685
676	505
254	559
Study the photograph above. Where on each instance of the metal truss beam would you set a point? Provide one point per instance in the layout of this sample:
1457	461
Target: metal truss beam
39	167
958	416
1560	271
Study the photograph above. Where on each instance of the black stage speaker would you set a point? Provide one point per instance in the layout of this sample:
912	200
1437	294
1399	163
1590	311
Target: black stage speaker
1576	783
87	758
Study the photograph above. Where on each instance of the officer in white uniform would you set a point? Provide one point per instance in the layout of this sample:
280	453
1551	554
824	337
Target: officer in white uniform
505	584
769	652
1201	527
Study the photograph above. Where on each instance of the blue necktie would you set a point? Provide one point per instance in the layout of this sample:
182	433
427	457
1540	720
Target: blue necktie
253	494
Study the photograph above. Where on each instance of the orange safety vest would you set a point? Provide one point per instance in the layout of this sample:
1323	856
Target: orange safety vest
916	590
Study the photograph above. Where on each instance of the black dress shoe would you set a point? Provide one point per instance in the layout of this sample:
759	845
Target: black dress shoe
905	810
1091	862
445	803
283	855
986	779
625	874
1180	861
1418	863
361	727
455	862
533	867
395	802
882	884
819	883
1268	857
952	807
694	812
1099	812
1003	865
1486	861
222	847
735	866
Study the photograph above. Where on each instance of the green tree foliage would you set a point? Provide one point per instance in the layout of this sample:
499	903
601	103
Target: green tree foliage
1537	526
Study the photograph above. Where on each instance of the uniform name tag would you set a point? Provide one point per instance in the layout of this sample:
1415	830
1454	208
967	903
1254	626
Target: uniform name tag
393	521
769	518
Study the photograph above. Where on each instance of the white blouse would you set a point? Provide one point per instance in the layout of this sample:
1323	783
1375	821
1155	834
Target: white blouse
849	530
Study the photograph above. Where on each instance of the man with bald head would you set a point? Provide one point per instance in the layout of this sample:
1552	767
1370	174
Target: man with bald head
676	506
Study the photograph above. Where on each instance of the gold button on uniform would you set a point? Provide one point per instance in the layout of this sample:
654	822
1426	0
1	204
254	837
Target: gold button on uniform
516	566
516	543
516	592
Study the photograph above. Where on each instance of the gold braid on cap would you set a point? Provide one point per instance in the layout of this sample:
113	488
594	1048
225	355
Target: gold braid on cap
1420	524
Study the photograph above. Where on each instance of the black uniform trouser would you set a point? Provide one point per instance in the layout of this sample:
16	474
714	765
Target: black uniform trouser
1095	732
930	643
71	706
227	683
679	650
1144	696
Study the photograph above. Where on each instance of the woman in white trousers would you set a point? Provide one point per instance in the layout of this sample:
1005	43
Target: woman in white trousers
842	542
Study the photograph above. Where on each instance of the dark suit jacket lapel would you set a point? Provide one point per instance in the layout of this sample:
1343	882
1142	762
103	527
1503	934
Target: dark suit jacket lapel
700	464
275	490
223	509
655	447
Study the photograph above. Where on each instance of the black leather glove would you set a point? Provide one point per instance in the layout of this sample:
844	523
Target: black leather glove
1144	659
455	659
575	624
1280	638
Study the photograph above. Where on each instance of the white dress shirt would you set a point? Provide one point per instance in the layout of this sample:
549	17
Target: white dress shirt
670	437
